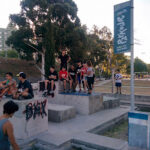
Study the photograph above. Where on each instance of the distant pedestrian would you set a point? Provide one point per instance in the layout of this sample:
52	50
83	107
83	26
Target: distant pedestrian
118	78
64	59
6	128
90	74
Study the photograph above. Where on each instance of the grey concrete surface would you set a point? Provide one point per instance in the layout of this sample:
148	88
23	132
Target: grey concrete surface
59	134
60	113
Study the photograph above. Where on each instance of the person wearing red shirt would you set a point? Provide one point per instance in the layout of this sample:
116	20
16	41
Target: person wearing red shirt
63	76
84	75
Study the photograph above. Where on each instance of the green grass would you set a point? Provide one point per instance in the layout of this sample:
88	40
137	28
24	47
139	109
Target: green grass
119	131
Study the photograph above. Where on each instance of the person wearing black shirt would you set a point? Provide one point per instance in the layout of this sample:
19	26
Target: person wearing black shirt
78	69
25	90
64	59
72	76
52	77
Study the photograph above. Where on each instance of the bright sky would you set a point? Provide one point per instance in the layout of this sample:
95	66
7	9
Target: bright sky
100	13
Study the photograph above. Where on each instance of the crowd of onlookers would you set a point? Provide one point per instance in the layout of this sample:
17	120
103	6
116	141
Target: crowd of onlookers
75	75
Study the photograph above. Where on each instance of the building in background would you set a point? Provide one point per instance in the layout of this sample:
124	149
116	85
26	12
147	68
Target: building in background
4	34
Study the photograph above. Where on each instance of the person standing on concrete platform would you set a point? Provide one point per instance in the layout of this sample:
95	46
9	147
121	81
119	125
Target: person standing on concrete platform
64	59
118	78
72	74
84	76
6	128
90	74
79	74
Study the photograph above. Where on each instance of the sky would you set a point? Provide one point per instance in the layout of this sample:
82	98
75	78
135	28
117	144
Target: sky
100	13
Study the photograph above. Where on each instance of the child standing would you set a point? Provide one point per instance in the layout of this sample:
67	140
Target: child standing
90	74
118	78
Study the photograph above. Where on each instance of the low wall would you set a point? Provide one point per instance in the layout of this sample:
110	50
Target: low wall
139	129
127	97
31	119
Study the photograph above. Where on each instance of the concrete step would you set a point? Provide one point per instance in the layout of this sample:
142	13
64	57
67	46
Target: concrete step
137	103
60	113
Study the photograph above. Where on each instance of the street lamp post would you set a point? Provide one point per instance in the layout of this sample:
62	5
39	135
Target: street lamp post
132	56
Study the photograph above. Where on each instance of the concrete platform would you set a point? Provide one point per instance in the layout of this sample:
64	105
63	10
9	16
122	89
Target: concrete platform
60	113
83	103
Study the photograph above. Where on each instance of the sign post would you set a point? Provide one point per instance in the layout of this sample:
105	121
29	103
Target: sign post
124	36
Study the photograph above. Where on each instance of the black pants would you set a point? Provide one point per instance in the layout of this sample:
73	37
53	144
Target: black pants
90	82
63	65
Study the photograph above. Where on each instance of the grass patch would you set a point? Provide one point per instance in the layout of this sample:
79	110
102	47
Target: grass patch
118	131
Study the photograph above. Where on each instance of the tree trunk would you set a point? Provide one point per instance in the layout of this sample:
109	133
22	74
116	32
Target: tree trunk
43	66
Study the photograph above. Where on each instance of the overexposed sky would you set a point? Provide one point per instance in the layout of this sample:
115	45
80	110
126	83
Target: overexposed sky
100	13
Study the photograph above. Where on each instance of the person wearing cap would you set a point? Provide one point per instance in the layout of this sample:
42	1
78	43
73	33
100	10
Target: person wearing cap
64	59
25	90
8	86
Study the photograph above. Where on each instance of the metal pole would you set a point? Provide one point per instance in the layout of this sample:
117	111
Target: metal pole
132	56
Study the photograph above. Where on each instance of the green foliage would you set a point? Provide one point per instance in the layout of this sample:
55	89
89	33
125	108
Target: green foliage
139	65
46	26
10	54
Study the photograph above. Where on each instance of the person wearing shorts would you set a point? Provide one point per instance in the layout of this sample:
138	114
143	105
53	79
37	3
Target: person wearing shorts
118	78
84	76
72	77
78	70
63	76
25	90
90	74
52	77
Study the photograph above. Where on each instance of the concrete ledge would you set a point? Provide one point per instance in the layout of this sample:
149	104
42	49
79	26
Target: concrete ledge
60	113
84	104
31	118
96	142
127	97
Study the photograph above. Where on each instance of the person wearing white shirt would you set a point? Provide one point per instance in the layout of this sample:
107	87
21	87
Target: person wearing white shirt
118	78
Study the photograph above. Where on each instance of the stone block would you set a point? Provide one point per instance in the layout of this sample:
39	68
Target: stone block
60	113
31	119
83	103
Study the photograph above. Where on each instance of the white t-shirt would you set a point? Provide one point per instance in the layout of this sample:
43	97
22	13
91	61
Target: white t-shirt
118	78
90	69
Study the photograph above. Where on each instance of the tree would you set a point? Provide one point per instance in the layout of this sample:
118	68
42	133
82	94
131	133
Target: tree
139	65
44	27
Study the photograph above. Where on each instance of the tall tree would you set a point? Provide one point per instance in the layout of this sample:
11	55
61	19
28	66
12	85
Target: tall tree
44	27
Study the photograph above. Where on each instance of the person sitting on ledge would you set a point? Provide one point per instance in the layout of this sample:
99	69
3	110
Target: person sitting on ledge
8	87
72	77
25	90
52	77
6	128
63	76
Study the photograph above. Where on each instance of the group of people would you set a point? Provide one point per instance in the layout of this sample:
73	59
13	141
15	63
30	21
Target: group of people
10	88
77	74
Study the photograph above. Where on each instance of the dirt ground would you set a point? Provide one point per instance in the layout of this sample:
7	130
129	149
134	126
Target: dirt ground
142	87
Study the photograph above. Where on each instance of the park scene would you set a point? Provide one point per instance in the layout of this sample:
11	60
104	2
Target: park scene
74	75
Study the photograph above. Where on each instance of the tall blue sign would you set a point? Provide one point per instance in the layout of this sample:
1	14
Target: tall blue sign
122	27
